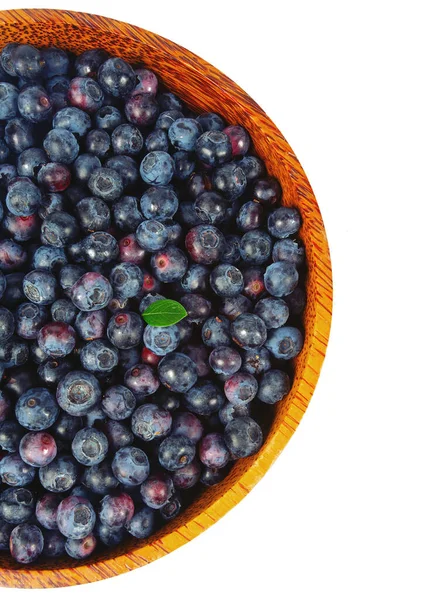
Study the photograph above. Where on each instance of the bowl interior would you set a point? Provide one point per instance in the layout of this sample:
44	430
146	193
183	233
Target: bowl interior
203	88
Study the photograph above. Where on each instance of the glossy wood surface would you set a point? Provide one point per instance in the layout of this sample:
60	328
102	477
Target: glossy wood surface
204	88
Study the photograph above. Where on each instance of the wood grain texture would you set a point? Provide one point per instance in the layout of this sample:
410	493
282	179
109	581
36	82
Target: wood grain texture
202	87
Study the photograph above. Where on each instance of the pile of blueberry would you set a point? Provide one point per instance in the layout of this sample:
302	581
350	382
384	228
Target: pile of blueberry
113	195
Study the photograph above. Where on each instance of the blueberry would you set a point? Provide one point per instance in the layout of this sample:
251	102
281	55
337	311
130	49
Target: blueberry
274	312
150	422
142	523
229	180
166	399
30	318
78	392
250	216
82	548
5	406
18	381
281	278
159	203
106	184
196	279
161	340
175	452
93	215
60	475
7	174
256	361
54	544
99	479
75	517
36	409
7	324
126	214
288	249
169	101
89	446
23	197
46	511
116	511
125	330
214	148
187	477
285	343
171	509
74	120
231	308
183	134
10	435
98	143
26	543
149	299
15	472
297	301
204	398
213	452
56	62
239	139
56	339
54	177
19	135
30	161
211	207
16	505
36	354
127	139
152	235
205	244
225	360
4	151
284	221
22	229
198	307
253	167
108	118
38	449
199	354
13	353
248	331
188	425
109	536
91	292
177	372
85	94
256	247
99	356
6	59
8	101
147	82
231	411
116	77
52	370
226	280
142	381
49	258
59	229
129	357
211	122
118	402
63	310
243	437
169	264
5	533
157	168
240	388
216	332
167	118
141	109
184	164
88	63
28	62
157	490
34	104
156	140
267	191
118	435
274	386
130	466
126	167
254	283
91	325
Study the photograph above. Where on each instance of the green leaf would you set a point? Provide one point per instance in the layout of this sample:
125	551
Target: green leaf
164	313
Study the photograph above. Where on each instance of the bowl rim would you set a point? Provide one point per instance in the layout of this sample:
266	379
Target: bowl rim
28	577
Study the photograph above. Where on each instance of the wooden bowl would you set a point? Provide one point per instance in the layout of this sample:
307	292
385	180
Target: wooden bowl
203	88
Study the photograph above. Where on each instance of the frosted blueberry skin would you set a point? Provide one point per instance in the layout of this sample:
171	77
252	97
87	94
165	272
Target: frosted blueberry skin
10	435
240	388
186	477
248	331
91	325
274	386
150	422
213	452
157	490
60	475
161	340
205	244
175	452
130	466
12	257
99	479
56	339
157	168
54	544
91	292
243	437
142	523
40	287
9	101
16	505
75	517
204	398
7	324
38	449
126	214
142	381
116	77
274	312
89	446
36	409
225	360
177	372
256	361
118	402
15	472
99	356
78	392
285	343
26	543
46	511
116	511
284	221
23	197
216	332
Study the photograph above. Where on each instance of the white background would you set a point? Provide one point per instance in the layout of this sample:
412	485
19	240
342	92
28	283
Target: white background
346	512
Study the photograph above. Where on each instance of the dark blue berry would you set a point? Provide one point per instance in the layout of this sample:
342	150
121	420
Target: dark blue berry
214	148
169	265
284	221
231	411
75	517
7	324
127	139
188	425
199	354
74	120
126	214
171	509
98	143
256	247
248	331
211	207
99	356
186	477
267	191
290	250
141	109
274	312
229	180
10	435
211	122
156	140
126	167
108	118
281	278
204	398
130	466
49	258
167	118
240	388
69	274
253	167
19	135
213	452
88	63
38	449
40	287
89	446
142	523
59	229
15	472
93	214
36	409
285	343
30	161
106	184
157	490
99	479
175	452
85	94
226	280
28	62
198	307
118	402
152	235
82	548
243	437
161	340
91	292
23	197
150	422
183	134
196	279
56	62
116	77
78	392
157	168
256	361
8	101
169	101
216	332
26	543
60	475
250	216
142	381
116	511
34	104
159	203
177	372
46	511
225	360
205	244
